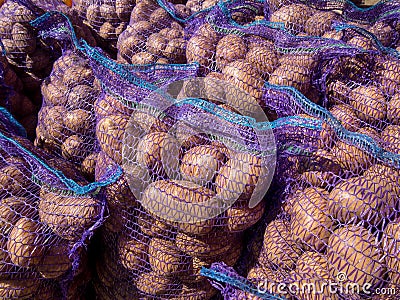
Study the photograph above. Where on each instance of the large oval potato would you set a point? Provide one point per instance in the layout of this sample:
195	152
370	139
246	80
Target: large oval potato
56	261
229	48
200	49
68	216
133	252
294	16
26	243
353	250
369	103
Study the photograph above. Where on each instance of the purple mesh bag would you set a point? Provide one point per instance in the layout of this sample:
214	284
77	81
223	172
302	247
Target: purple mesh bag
48	214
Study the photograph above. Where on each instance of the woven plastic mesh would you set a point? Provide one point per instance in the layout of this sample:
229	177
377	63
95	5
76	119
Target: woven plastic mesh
48	211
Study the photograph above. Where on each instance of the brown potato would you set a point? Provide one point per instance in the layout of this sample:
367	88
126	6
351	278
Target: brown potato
347	116
176	199
158	152
143	58
26	243
19	288
391	138
338	92
353	250
241	217
292	75
110	132
133	252
393	109
79	121
238	177
279	248
156	44
390	246
230	48
77	75
93	15
88	166
201	163
56	261
294	16
200	49
244	76
110	106
320	22
74	149
107	31
369	103
165	258
311	225
54	93
142	11
123	9
390	175
153	284
23	38
264	60
389	78
130	45
72	218
13	181
362	198
361	42
206	30
160	18
175	51
11	210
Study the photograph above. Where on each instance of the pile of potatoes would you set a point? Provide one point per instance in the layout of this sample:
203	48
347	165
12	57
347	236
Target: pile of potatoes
40	224
170	164
106	18
14	100
153	35
67	118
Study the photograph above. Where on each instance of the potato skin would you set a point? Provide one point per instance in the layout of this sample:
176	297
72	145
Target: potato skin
26	243
230	48
71	219
369	103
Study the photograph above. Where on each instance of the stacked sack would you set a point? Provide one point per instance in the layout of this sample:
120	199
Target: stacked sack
44	224
151	248
153	35
13	99
66	120
106	18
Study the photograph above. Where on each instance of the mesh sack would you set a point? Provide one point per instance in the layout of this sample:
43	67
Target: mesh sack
155	31
48	213
67	117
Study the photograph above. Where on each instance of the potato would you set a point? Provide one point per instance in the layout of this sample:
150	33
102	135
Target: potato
154	227
200	164
351	157
158	152
312	277
210	245
346	115
292	75
54	93
68	216
142	11
11	210
153	284
156	44
383	32
393	109
165	258
107	31
244	76
93	14
323	171
206	30
279	248
389	78
160	18
353	250
26	243
88	166
81	97
311	225
79	121
229	48
56	261
264	60
175	201
123	9
133	252
241	217
362	198
110	106
320	22
110	132
23	38
189	137
391	138
19	288
65	62
74	149
369	103
78	75
390	175
13	181
238	178
173	33
294	16
175	51
130	45
390	246
200	49
361	42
